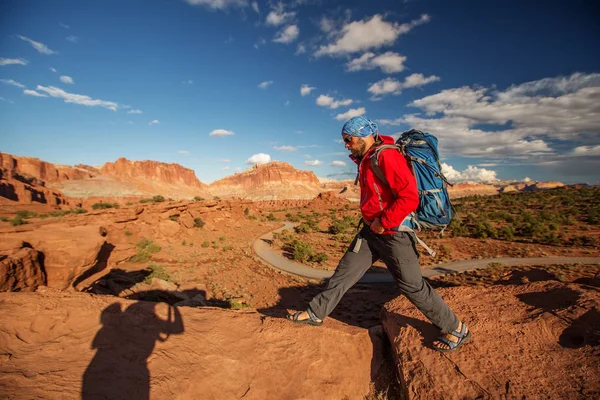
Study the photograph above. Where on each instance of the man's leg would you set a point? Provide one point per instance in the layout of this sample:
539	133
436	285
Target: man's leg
350	269
400	255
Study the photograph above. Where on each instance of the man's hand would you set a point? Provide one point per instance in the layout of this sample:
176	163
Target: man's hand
376	226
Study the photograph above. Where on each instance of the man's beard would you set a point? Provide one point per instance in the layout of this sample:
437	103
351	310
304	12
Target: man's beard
362	148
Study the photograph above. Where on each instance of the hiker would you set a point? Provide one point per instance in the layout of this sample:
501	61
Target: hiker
384	208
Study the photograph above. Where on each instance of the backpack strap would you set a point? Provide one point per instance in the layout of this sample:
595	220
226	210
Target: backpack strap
375	162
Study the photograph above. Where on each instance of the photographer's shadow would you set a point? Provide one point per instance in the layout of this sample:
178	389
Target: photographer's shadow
119	370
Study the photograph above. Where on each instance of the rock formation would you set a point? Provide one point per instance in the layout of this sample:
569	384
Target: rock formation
172	174
272	181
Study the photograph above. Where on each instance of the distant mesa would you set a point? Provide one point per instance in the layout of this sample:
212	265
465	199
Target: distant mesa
31	180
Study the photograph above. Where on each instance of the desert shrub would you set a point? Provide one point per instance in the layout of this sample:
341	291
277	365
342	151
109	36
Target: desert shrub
303	228
198	222
18	220
4	219
292	218
157	271
184	243
143	201
174	218
158	199
127	233
102	206
246	211
129	203
227	248
271	217
78	210
59	213
582	241
319	258
302	251
145	249
507	233
26	214
484	229
457	229
198	198
444	250
206	243
237	304
222	238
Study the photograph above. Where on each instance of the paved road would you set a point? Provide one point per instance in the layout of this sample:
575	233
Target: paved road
263	250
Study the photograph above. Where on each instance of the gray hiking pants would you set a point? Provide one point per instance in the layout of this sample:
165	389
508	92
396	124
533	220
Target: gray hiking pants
400	255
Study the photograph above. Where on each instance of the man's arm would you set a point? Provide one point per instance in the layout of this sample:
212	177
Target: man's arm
403	185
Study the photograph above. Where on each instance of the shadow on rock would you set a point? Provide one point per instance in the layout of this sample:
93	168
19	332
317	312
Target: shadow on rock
584	331
119	369
360	306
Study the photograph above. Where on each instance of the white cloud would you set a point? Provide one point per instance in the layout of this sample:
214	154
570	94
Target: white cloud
285	148
225	160
53	69
313	163
338	164
135	112
265	84
279	17
221	133
472	173
368	34
64	25
306	89
260	158
10	61
33	93
389	62
77	98
72	39
154	122
12	83
353	112
218	4
392	86
40	47
300	49
225	168
328	101
586	151
188	82
66	79
184	152
287	35
255	7
326	25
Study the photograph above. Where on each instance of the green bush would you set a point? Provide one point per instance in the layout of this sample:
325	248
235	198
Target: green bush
158	199
102	206
18	220
26	214
271	217
198	198
303	228
174	218
319	258
78	210
4	219
206	243
157	271
302	251
198	222
145	249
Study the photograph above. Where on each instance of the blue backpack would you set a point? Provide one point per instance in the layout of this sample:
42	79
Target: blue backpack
435	209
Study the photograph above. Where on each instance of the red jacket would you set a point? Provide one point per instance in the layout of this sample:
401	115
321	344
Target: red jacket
377	200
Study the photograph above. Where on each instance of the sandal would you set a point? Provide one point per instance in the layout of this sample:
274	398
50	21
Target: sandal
311	320
463	337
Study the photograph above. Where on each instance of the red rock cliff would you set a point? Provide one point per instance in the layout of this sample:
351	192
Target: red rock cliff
157	171
273	172
29	167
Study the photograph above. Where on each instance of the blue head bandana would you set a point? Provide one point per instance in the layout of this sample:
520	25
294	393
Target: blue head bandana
359	126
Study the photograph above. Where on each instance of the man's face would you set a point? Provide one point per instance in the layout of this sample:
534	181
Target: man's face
355	144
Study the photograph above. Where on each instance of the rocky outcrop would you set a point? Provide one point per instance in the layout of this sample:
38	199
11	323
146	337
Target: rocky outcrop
127	170
27	194
543	186
27	168
470	189
529	341
272	181
124	349
20	267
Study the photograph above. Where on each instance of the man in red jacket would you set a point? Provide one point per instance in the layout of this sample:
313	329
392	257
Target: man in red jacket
384	208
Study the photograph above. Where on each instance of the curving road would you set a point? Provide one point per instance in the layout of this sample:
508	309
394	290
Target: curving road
263	250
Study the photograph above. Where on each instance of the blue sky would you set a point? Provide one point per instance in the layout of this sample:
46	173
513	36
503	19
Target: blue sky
510	88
